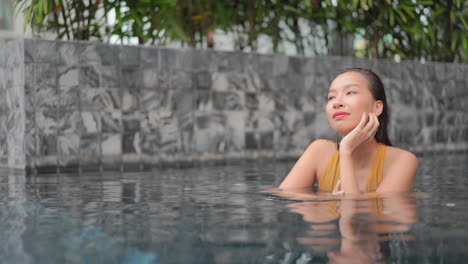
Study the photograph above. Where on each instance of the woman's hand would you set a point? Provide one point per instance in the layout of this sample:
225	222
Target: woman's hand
337	190
363	132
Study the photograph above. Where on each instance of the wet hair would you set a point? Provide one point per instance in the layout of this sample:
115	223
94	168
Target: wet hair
377	89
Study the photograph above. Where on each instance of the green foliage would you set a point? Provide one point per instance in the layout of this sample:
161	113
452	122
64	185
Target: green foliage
409	29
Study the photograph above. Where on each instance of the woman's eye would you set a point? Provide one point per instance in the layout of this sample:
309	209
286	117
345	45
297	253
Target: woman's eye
350	92
331	97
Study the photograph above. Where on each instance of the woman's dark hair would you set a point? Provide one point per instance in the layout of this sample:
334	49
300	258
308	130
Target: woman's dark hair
378	91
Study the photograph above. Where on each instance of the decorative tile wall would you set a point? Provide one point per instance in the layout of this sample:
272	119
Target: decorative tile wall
89	105
12	103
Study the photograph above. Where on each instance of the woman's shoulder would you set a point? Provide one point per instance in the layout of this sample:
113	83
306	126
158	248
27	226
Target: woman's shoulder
395	154
323	145
322	149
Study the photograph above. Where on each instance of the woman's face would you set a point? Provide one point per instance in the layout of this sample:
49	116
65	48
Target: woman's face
350	93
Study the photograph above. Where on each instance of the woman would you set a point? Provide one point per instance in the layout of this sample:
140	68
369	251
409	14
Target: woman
364	160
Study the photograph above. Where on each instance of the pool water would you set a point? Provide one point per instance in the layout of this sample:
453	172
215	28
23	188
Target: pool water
219	215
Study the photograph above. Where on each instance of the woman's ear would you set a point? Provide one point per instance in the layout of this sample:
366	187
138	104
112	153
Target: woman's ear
378	107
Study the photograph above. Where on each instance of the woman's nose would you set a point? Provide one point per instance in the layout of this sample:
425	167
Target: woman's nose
337	103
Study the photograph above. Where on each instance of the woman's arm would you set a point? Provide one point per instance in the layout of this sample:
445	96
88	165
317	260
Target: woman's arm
364	131
303	174
401	176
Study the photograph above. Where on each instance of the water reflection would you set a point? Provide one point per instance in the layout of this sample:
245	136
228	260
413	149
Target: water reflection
357	230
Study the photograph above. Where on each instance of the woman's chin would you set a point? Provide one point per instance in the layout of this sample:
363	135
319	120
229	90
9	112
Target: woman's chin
342	130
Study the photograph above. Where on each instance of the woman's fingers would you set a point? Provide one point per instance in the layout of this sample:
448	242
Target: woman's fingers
337	190
375	124
363	122
371	127
337	186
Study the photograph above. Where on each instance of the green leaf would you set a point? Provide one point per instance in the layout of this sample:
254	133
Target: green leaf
453	45
464	22
402	15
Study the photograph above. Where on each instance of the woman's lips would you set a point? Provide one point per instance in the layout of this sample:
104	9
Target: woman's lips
340	116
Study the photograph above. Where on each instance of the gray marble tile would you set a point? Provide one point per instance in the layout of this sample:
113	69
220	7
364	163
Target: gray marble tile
308	96
420	71
322	127
235	130
150	143
362	63
90	145
3	144
131	143
149	56
46	120
18	76
150	121
341	63
131	122
129	55
89	54
321	85
70	122
152	100
100	99
252	140
183	96
46	75
280	64
170	132
30	121
67	76
110	77
263	64
111	144
46	51
185	125
91	122
111	122
251	101
167	59
230	100
89	76
292	83
297	65
259	83
69	99
308	65
99	54
29	50
388	69
266	101
204	101
185	58
323	66
227	61
210	132
68	144
46	144
410	92
130	77
202	60
30	144
203	80
16	53
69	52
130	100
151	77
232	81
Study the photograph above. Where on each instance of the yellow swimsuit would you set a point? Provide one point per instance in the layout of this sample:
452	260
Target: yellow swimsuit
331	175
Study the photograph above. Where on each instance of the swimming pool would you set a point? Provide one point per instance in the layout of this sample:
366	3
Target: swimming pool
218	215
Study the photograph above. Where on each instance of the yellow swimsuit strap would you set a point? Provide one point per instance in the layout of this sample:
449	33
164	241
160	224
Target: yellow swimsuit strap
331	175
